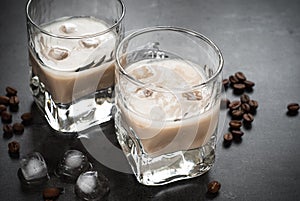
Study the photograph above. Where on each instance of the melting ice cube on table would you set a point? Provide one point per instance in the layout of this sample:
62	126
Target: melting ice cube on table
73	163
33	169
91	186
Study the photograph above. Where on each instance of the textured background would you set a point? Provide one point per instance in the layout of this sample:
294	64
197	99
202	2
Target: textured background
259	37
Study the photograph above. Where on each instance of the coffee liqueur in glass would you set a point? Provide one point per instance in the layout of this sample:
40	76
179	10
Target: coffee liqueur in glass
71	51
168	86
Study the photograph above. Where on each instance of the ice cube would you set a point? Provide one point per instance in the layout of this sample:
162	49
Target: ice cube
72	165
33	167
68	28
91	186
58	53
90	42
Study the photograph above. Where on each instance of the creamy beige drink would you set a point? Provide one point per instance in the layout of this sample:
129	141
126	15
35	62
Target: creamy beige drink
78	66
167	113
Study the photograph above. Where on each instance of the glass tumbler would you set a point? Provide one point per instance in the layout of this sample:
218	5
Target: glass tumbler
167	94
72	47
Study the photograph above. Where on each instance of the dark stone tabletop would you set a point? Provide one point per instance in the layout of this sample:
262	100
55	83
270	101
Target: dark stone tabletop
258	37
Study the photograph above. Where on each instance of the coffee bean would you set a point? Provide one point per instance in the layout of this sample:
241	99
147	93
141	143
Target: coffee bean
253	104
26	118
249	84
293	107
233	79
225	83
234	105
235	124
51	193
238	88
10	91
13	101
4	100
246	107
228	137
7	131
6	117
248	118
237	133
2	108
237	114
240	76
18	128
13	147
245	98
213	187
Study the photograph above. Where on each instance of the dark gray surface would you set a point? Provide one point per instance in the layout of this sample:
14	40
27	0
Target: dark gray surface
260	38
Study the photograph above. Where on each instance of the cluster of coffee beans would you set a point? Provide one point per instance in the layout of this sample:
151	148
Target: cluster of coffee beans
239	83
10	103
242	111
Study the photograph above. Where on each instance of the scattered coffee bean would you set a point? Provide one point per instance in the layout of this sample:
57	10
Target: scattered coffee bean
234	105
293	107
26	118
245	98
249	84
235	124
51	193
225	83
2	108
7	131
213	187
233	80
18	128
237	133
246	107
6	117
237	114
239	88
253	104
228	137
4	100
240	76
13	147
14	103
10	91
248	118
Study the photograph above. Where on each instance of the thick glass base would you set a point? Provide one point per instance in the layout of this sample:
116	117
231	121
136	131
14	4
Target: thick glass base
90	110
166	168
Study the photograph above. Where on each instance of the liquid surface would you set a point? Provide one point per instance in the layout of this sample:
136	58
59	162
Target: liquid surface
72	68
71	54
167	113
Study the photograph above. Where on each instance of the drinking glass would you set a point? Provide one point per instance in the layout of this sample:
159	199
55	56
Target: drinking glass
71	47
167	95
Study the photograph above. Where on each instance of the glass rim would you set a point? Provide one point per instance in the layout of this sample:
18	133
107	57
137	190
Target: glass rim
169	28
75	37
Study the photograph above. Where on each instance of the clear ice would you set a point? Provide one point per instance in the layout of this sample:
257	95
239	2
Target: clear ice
91	186
72	165
58	53
34	168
